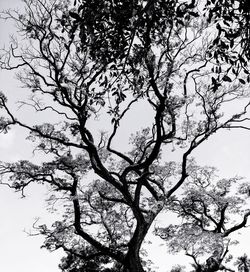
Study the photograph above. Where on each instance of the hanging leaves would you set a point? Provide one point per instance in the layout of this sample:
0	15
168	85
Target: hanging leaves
242	81
227	78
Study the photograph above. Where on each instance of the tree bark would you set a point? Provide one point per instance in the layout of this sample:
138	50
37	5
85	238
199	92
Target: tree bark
133	261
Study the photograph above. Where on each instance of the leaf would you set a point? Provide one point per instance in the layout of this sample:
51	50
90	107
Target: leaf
74	15
232	43
227	78
218	26
195	14
234	71
216	41
214	81
242	81
227	18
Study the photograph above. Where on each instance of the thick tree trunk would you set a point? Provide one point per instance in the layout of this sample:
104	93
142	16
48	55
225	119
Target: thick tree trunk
133	263
132	260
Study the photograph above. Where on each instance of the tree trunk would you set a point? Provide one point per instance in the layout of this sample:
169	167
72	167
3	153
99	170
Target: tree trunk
133	262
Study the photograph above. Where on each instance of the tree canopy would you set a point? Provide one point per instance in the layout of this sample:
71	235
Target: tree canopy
96	62
210	213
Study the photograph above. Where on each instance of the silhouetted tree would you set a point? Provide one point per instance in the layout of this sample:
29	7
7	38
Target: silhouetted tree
88	62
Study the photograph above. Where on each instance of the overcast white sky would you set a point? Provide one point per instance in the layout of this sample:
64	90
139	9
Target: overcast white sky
228	151
19	251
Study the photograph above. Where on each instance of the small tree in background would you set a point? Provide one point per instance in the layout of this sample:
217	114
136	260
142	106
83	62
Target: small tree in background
88	62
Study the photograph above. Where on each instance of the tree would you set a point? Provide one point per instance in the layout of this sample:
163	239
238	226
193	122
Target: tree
232	21
243	263
210	213
90	61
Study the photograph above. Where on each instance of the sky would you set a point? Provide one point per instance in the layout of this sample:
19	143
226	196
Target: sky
18	250
228	151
